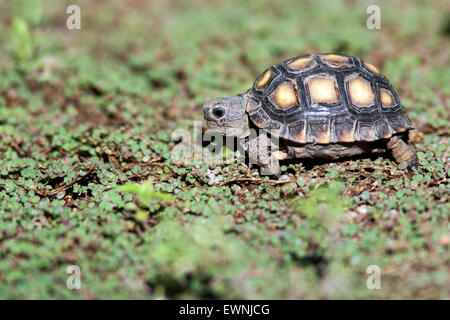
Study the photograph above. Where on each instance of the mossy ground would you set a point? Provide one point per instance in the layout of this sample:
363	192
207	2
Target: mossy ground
84	112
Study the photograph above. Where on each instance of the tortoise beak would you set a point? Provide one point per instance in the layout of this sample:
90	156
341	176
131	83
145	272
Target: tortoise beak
206	112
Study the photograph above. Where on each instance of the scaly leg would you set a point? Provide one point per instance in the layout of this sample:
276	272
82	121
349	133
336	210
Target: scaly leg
265	153
402	152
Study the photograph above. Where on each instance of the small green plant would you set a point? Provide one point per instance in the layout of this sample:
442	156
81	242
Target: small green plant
148	198
20	40
321	210
30	10
323	203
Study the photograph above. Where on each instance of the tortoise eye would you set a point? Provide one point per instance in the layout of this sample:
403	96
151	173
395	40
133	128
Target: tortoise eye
218	112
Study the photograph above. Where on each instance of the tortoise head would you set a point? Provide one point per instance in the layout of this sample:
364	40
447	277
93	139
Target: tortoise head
227	116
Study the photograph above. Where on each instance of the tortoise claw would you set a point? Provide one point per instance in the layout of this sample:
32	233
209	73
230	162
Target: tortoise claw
413	165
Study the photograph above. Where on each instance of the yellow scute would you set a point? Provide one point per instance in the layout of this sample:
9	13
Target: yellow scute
386	98
323	90
335	58
264	79
372	68
300	63
285	95
361	92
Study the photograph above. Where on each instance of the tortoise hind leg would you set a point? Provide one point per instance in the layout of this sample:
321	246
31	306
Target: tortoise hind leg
402	152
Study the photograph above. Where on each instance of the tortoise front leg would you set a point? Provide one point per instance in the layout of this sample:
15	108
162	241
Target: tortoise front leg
263	152
402	152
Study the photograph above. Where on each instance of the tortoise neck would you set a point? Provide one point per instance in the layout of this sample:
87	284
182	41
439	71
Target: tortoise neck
245	98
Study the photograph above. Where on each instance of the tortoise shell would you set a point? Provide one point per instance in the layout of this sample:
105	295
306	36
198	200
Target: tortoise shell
324	99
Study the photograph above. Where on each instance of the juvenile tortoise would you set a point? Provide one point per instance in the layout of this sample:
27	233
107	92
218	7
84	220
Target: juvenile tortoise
318	106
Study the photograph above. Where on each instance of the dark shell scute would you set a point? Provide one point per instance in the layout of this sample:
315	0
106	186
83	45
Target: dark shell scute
344	129
318	131
365	131
382	129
